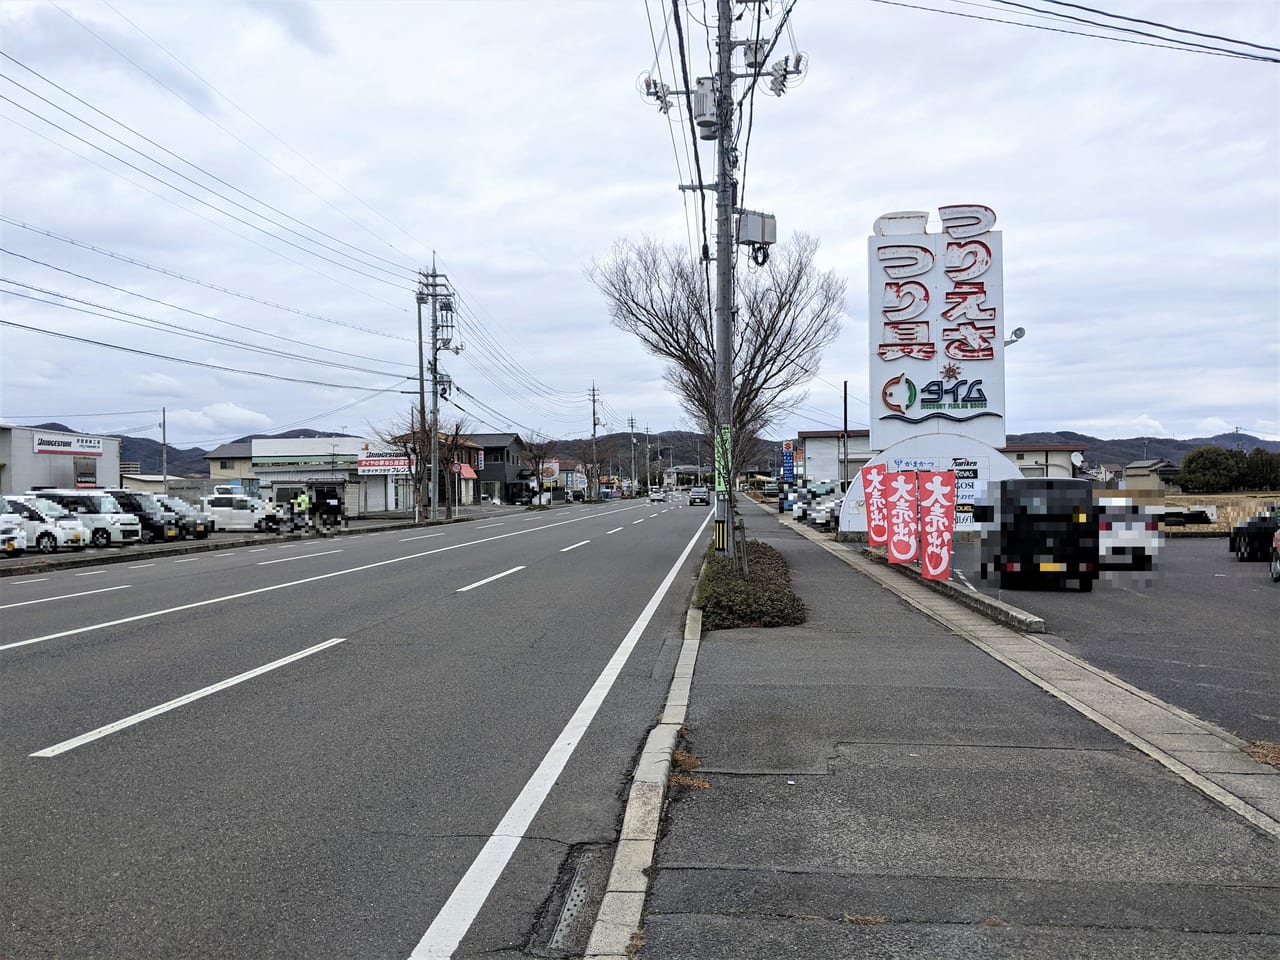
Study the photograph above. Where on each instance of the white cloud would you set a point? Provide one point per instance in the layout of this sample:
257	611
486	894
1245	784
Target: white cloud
218	418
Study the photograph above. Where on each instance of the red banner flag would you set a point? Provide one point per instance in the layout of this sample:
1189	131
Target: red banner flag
937	523
877	506
904	527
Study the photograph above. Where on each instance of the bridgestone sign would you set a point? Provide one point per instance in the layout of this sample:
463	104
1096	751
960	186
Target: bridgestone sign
68	445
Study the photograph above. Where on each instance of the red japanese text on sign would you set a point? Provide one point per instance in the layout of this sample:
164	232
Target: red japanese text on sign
877	506
904	528
937	523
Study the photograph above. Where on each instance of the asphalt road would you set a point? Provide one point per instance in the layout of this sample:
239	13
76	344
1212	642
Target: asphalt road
329	805
1202	631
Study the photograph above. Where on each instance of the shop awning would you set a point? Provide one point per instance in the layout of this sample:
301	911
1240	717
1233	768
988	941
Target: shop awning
467	472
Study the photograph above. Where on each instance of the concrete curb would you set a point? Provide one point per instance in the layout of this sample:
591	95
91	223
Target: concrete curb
620	912
30	566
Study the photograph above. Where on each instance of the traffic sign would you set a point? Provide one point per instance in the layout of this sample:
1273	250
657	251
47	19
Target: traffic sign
456	467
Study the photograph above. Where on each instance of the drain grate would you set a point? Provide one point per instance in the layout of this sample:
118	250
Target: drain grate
575	902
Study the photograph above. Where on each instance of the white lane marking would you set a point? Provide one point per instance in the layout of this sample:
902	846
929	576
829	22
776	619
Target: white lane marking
186	560
425	536
142	566
66	596
496	576
75	631
614	530
305	556
91	573
581	543
257	549
488	525
965	580
18	583
377	533
641	520
460	910
652	515
110	728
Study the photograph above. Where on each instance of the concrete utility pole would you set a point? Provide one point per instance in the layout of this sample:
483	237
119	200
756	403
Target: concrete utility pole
725	190
631	423
595	422
164	452
648	457
434	287
419	496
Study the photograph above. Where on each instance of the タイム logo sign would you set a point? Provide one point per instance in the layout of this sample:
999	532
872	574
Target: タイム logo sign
959	401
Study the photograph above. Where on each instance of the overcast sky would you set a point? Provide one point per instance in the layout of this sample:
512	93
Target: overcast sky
1138	190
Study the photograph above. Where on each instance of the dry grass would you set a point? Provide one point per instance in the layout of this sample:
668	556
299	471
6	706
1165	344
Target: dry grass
863	919
685	761
635	943
688	782
1265	751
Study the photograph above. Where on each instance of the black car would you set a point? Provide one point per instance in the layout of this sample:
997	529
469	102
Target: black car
158	524
1251	540
191	522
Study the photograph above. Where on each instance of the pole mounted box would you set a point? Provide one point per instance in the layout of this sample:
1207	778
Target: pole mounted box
757	229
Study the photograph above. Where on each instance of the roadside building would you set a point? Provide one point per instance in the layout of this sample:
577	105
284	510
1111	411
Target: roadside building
502	473
232	463
31	457
1153	475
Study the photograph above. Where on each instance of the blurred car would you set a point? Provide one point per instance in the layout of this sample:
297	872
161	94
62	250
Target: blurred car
107	524
657	495
1252	539
237	512
13	536
1275	557
699	495
49	527
191	522
158	524
1128	534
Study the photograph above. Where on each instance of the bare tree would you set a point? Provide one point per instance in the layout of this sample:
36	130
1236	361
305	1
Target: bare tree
406	435
788	313
537	451
454	437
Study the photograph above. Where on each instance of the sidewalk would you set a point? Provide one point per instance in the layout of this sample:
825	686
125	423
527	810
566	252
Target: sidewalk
880	786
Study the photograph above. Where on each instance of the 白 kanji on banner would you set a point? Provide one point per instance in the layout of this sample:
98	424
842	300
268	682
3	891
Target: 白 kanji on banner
937	523
877	506
904	527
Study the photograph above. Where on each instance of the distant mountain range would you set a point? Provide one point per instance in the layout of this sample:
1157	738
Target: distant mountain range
686	447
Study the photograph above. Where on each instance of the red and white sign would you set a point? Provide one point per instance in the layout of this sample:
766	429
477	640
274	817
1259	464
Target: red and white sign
455	467
937	329
382	464
937	523
904	525
877	507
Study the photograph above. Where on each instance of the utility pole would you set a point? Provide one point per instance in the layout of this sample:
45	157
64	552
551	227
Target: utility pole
844	441
419	496
726	187
434	287
595	422
631	423
164	451
648	457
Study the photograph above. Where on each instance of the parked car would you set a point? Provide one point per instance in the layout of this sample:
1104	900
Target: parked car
238	512
1275	557
107	524
657	495
158	524
13	537
48	526
1128	534
1251	540
191	522
699	495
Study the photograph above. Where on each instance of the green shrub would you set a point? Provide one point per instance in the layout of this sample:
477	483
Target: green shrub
763	598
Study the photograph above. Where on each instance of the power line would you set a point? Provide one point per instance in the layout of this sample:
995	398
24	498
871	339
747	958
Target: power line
1172	45
211	286
196	313
1163	26
189	163
221	226
159	356
77	416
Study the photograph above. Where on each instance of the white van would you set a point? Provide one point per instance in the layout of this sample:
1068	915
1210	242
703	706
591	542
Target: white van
108	525
13	537
238	512
49	527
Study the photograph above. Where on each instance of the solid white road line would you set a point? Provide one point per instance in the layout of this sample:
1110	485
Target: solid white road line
496	576
461	909
91	573
425	536
614	530
581	543
66	596
110	728
305	556
75	631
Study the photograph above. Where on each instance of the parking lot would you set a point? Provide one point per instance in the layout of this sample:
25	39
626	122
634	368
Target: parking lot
1200	631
